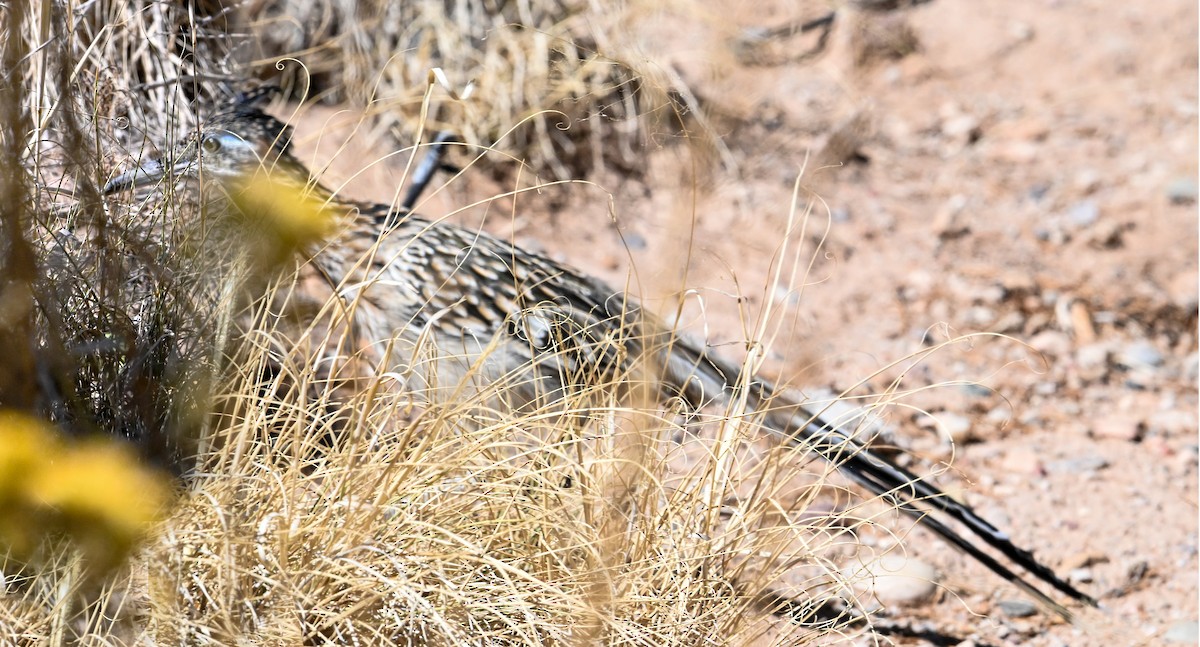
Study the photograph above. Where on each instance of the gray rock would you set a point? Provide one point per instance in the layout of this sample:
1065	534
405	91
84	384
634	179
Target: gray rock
1081	465
1017	608
975	390
957	428
1051	342
1118	427
1081	575
1139	354
1172	423
1182	190
1084	214
1187	632
1045	387
1087	180
979	316
1092	360
634	240
1191	367
895	580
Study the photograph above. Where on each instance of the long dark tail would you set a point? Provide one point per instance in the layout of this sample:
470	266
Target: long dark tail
705	376
913	495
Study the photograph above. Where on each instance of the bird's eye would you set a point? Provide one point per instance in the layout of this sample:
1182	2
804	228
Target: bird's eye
211	144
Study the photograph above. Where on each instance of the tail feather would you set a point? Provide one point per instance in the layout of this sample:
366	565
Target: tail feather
914	496
901	488
918	498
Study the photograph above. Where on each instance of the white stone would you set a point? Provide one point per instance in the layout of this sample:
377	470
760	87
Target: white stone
894	580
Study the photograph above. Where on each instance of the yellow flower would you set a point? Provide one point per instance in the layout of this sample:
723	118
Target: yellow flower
289	213
99	486
25	443
95	493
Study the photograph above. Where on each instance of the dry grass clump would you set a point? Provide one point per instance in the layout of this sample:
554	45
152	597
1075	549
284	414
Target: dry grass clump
457	524
393	519
583	97
119	328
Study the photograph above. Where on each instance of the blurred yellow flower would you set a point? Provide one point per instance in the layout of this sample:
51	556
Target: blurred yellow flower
95	493
25	442
103	497
289	213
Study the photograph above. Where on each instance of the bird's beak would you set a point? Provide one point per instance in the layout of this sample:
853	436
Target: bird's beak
147	173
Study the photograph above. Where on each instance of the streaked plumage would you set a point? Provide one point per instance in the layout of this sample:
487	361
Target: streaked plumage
555	328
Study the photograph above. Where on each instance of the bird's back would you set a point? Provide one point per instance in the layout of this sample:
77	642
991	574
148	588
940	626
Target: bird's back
466	305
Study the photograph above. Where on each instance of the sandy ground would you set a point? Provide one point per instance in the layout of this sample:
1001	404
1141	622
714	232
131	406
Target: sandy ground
1025	168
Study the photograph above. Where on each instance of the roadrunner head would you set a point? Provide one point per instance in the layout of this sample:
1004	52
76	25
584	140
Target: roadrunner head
229	148
244	153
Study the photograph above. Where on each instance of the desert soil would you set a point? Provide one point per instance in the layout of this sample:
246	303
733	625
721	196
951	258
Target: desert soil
1026	168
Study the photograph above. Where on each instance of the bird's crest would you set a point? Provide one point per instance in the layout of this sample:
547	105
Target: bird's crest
243	116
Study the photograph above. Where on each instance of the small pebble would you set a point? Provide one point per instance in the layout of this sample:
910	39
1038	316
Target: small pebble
1081	465
1021	31
1017	608
991	294
634	240
1081	575
975	390
979	317
957	428
1183	289
1186	461
1012	322
1051	342
1158	446
996	516
999	417
895	579
949	221
1083	559
1107	235
1092	360
1187	632
1140	354
1182	190
1140	379
1172	423
962	127
1084	214
1045	387
1087	180
892	75
1038	191
1191	367
1015	152
1118	427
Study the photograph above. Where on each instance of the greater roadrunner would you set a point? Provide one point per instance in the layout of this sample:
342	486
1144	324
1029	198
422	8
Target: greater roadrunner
476	296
